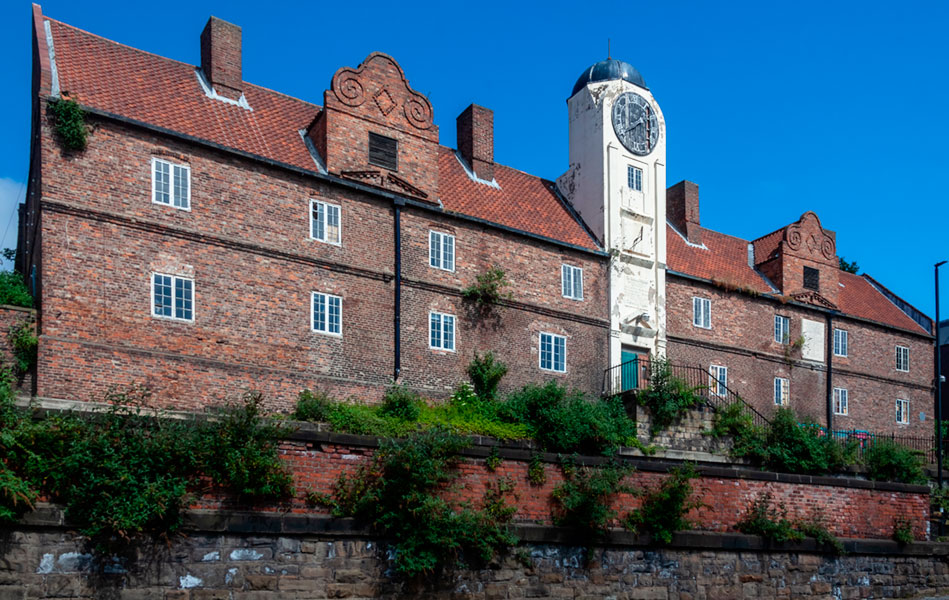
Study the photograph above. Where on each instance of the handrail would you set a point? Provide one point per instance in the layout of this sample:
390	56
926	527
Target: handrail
636	374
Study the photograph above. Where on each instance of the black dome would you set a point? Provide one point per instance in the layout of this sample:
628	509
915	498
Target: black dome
609	69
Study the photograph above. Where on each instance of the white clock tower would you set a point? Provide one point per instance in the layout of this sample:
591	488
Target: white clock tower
617	182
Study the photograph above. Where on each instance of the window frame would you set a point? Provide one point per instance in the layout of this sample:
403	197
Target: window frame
843	341
785	396
716	382
339	224
441	250
575	272
171	183
707	302
841	401
905	350
630	171
904	412
326	324
441	324
174	287
786	338
554	338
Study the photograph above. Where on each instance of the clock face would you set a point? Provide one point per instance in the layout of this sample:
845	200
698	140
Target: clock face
635	123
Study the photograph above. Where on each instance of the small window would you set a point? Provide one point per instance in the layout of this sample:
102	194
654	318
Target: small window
327	314
812	279
702	312
782	329
172	297
719	380
840	342
634	178
441	251
841	401
171	184
441	331
571	281
553	352
383	151
902	358
781	392
902	411
324	222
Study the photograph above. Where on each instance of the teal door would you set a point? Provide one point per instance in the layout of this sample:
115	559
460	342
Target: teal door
629	370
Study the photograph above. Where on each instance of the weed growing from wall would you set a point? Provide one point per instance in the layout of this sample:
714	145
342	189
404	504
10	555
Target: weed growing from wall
489	288
771	521
70	123
903	530
13	290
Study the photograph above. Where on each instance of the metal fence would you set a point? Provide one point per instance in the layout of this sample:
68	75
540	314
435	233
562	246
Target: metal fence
632	376
862	440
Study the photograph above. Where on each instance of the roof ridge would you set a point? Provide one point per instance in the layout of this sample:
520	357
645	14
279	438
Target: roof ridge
139	50
771	233
887	292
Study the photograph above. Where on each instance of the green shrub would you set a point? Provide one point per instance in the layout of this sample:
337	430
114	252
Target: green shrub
668	398
312	406
486	372
240	450
24	343
768	521
664	507
70	122
748	440
817	529
489	288
13	290
903	531
802	448
583	502
397	494
400	402
124	473
889	461
567	421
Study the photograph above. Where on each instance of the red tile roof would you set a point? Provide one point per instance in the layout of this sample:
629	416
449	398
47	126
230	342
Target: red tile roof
721	257
124	81
858	297
725	259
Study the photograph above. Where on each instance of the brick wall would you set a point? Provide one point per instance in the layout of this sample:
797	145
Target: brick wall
246	243
742	338
852	509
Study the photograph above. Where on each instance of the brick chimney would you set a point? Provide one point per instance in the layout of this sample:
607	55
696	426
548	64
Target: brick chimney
476	140
221	57
682	210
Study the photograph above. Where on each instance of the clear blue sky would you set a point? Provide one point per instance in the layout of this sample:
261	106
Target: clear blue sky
773	108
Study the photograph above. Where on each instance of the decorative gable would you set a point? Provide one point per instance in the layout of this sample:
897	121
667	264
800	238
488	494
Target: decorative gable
801	260
375	100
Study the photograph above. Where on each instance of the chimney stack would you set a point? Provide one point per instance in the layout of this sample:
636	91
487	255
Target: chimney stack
682	210
221	57
476	140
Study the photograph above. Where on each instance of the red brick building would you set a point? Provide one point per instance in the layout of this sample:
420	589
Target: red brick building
780	324
217	236
220	236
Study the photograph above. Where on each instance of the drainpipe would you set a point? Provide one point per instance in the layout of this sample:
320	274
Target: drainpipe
397	334
830	374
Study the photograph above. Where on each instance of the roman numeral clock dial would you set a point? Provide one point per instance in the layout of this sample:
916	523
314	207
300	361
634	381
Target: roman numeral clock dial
635	123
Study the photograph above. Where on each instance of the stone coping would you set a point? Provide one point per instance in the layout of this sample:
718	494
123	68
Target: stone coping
523	450
282	524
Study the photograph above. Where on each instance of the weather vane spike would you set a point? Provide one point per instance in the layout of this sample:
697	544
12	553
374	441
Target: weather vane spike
609	54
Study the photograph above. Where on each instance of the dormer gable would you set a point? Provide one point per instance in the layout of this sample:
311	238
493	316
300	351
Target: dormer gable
376	129
801	260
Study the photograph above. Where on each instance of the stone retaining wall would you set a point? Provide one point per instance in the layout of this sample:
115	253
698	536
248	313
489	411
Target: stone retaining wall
266	557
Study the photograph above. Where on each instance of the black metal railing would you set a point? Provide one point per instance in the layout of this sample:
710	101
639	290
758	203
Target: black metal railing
634	375
863	440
